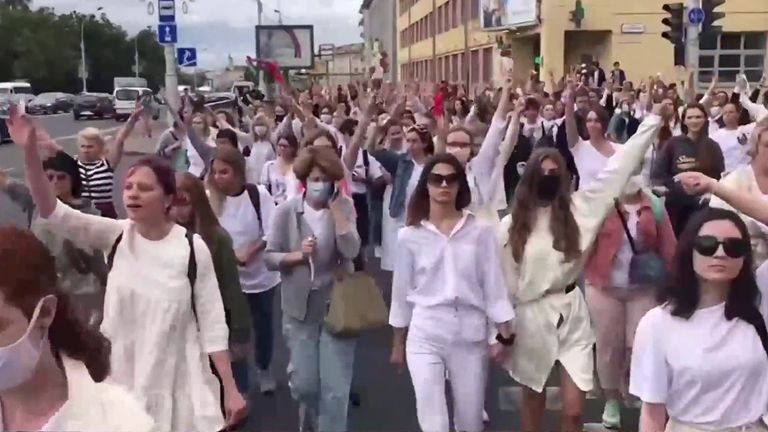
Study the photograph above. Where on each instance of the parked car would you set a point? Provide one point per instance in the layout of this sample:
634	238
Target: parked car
51	103
4	105
93	105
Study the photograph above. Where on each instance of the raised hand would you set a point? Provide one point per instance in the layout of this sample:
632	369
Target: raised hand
695	183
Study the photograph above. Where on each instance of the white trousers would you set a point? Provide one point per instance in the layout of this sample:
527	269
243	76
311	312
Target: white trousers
467	365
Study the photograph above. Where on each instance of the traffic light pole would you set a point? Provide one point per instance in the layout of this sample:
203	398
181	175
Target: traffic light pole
692	42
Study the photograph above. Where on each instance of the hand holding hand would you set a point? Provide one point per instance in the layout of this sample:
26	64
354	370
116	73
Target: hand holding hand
498	353
695	183
235	408
397	357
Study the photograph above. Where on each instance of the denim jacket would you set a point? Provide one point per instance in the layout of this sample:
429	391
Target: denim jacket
397	202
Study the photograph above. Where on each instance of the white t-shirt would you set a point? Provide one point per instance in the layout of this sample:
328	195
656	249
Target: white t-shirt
261	153
707	371
374	171
589	161
734	145
282	187
317	220
620	272
239	218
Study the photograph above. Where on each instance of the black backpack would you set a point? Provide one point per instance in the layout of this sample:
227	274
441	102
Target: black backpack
255	197
191	266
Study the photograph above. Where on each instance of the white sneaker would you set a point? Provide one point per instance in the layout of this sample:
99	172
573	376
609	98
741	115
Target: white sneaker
267	383
486	419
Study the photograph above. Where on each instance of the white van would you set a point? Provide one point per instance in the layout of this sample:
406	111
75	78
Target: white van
10	88
125	102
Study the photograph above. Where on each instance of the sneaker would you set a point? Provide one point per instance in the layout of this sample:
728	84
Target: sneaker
267	383
306	419
612	414
486	419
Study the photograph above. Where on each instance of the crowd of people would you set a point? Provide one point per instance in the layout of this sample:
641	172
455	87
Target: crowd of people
612	231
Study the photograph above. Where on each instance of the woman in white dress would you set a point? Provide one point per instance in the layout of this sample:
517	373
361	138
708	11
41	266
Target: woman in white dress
551	228
700	358
277	175
163	311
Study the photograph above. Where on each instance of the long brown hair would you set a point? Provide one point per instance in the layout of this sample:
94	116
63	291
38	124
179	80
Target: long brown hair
235	159
565	231
204	221
418	206
707	151
27	275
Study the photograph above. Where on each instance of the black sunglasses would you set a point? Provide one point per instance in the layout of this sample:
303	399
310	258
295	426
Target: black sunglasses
733	247
435	179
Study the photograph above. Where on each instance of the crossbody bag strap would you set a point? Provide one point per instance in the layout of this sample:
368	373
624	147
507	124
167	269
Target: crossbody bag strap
626	228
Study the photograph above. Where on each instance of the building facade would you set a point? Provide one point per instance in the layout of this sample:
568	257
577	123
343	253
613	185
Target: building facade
378	31
451	39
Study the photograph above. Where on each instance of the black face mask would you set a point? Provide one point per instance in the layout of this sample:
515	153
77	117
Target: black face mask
279	118
548	187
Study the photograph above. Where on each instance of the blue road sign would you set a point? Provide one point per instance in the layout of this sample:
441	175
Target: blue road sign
696	16
166	11
167	34
186	57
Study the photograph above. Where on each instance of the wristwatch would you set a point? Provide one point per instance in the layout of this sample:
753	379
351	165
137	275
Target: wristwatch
505	341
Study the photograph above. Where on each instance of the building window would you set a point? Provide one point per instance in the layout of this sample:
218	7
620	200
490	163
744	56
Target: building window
474	67
459	14
487	71
474	9
731	54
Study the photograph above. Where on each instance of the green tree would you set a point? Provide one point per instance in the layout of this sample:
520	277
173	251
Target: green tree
44	48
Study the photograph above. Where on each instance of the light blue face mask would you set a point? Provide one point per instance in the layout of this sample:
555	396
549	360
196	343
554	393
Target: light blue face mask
319	191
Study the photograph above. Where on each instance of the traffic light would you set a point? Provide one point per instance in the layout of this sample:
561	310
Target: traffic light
708	27
676	23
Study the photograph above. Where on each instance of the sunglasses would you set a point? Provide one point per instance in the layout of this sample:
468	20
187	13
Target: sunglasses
733	247
435	179
458	144
58	177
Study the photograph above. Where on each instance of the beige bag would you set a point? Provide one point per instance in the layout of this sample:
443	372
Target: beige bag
356	306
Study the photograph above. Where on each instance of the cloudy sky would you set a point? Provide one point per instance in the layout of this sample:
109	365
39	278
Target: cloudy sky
223	27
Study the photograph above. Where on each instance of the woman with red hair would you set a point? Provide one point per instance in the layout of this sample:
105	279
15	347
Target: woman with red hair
52	364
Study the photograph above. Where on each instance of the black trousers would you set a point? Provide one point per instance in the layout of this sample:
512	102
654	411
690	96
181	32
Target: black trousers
363	227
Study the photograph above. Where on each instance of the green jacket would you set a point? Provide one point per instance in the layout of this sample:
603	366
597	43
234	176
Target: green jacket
235	304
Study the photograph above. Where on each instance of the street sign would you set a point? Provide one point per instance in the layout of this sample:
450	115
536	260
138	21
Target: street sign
166	11
186	57
167	34
696	16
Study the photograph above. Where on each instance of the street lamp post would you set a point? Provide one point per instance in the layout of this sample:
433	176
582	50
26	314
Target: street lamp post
136	51
83	71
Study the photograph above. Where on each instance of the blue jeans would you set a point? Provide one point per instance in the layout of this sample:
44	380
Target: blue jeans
320	367
262	314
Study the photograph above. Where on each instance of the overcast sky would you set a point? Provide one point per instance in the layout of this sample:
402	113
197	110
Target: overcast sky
223	27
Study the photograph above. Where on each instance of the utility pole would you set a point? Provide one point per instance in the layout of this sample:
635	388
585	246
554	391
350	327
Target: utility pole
136	55
259	75
84	70
692	39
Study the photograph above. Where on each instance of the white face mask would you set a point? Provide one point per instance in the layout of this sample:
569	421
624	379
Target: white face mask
326	118
19	359
633	186
260	130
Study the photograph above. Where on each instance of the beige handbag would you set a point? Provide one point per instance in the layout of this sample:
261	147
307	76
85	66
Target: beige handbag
356	306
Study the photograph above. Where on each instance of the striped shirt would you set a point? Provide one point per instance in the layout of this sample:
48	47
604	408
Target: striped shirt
98	180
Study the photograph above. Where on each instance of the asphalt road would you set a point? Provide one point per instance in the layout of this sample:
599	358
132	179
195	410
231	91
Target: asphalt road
387	397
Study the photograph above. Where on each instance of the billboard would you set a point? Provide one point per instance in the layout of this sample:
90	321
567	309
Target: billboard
501	14
290	46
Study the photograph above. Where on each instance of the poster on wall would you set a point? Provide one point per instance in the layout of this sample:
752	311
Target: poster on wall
501	14
290	46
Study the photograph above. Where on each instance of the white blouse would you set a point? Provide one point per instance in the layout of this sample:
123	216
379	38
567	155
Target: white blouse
449	282
94	407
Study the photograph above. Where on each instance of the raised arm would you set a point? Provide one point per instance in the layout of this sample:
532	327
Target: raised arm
696	183
591	204
571	128
117	149
88	230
